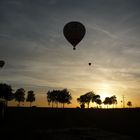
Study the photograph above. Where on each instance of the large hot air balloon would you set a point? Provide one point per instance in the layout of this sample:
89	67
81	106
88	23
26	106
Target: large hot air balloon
74	32
2	62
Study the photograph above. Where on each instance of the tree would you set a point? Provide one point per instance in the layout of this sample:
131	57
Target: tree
64	97
6	92
110	100
98	101
87	98
19	95
59	96
82	105
52	97
30	97
107	101
129	103
113	100
81	100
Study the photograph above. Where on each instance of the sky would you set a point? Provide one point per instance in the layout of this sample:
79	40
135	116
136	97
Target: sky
39	58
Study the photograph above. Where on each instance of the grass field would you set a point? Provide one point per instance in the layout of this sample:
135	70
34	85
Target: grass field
70	123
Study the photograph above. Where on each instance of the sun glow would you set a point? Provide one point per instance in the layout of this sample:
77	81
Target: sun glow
105	94
105	91
105	86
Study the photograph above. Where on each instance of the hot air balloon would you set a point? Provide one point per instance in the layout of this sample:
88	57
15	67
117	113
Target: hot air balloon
2	62
89	64
74	32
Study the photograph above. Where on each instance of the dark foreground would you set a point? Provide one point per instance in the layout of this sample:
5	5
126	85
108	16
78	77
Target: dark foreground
71	124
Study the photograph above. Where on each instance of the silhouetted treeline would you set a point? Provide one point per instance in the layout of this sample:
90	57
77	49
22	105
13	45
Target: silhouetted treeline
55	97
59	96
87	98
8	94
92	97
110	100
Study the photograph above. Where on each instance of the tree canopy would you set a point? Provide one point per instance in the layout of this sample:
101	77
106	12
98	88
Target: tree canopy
110	100
19	95
129	103
6	92
59	96
87	98
30	97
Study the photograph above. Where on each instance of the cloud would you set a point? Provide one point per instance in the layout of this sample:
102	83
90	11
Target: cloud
38	56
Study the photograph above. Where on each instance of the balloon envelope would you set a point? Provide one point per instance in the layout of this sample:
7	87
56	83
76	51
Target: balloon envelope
89	64
74	32
1	63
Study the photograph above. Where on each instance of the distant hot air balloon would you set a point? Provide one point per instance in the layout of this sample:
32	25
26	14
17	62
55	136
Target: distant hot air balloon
74	32
89	64
2	62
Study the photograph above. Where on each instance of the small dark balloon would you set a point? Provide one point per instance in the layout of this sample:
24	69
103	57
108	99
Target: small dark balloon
89	64
74	32
2	63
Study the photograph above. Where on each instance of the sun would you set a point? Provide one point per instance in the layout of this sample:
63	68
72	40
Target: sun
104	94
105	90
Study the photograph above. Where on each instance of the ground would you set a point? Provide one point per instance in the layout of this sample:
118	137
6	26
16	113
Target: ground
71	124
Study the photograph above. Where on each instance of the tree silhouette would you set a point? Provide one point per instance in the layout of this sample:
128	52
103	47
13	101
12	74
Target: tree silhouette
98	101
107	101
30	97
19	95
6	92
113	100
59	96
129	103
81	100
110	100
64	97
5	96
56	96
87	98
82	105
52	97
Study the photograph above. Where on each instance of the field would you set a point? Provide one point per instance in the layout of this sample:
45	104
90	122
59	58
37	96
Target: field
86	124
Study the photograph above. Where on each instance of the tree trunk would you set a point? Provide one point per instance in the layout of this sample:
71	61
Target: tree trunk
63	105
52	104
30	104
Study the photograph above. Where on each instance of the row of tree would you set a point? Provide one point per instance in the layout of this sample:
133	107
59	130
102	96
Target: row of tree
59	96
92	97
6	92
55	97
19	96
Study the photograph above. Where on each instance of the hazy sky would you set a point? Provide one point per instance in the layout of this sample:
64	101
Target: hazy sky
39	58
